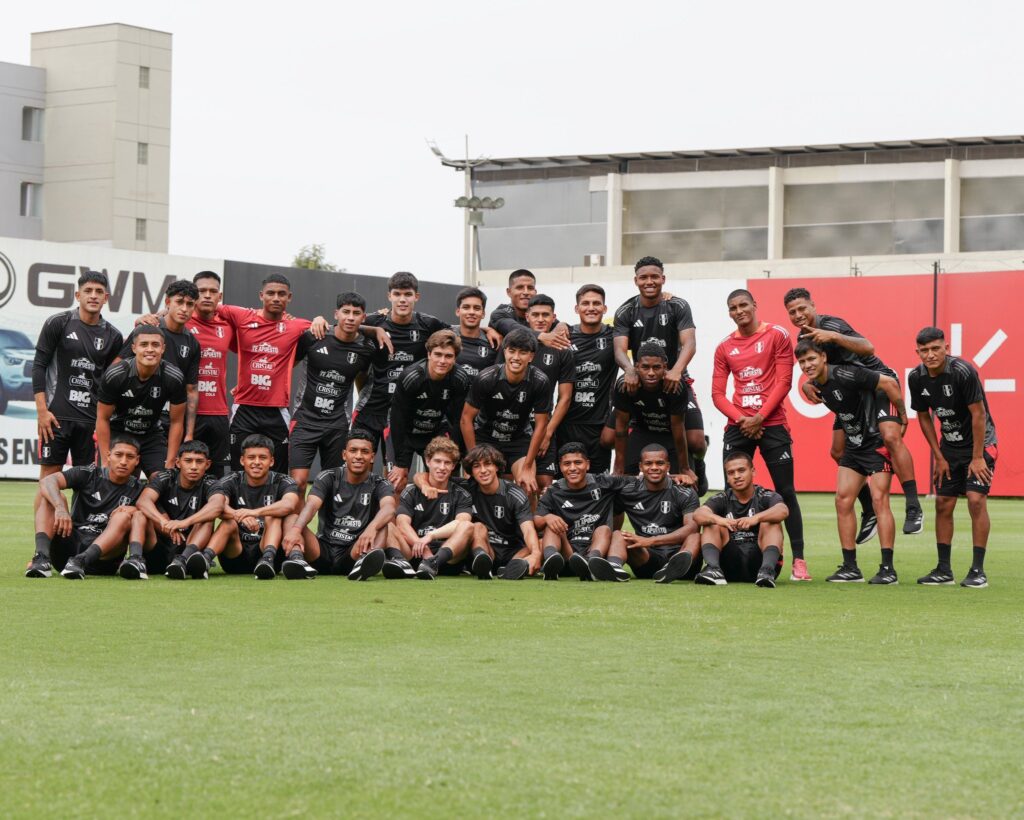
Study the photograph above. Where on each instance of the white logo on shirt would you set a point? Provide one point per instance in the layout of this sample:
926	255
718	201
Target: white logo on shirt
566	505
322	350
924	392
72	335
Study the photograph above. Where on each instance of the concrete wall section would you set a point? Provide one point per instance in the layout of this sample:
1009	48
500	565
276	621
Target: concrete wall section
21	160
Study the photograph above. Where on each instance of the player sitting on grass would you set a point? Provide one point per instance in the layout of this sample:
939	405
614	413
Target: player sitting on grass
949	387
354	506
741	529
93	535
252	504
575	516
665	544
433	532
849	391
172	522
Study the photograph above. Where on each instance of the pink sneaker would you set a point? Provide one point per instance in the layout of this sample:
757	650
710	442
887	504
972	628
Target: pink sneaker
799	571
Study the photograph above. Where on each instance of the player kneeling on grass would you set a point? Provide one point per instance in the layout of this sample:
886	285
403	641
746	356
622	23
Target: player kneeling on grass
172	522
665	544
741	529
850	391
433	532
574	514
253	504
93	535
354	506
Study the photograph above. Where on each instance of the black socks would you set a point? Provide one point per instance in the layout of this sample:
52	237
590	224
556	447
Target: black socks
850	557
945	553
43	545
910	494
770	557
887	557
443	556
978	560
393	554
711	554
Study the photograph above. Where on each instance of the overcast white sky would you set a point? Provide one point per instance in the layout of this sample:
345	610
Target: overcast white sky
302	122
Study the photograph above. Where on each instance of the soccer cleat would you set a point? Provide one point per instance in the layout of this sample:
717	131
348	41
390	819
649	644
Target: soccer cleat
481	566
676	567
868	527
603	570
913	524
515	569
368	565
176	569
711	576
975	579
427	570
846	575
552	567
938	577
885	576
297	569
765	578
264	570
197	567
74	569
580	568
799	571
395	569
39	568
620	573
133	568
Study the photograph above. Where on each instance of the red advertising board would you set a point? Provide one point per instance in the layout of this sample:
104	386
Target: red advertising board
979	313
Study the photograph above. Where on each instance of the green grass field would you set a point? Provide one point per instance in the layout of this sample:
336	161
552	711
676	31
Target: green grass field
471	699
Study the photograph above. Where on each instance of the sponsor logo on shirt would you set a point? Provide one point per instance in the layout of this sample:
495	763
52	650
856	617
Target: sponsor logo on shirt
210	353
83	364
265	347
750	372
262	363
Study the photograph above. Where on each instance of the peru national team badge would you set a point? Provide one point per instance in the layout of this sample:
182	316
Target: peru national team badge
154	392
364	499
351	358
482	351
548	359
445	506
220	332
98	343
499	511
666	507
602	344
663	319
596	494
183	351
414	335
280	327
947	390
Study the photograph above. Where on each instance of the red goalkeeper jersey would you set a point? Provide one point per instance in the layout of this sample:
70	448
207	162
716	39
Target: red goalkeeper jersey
761	366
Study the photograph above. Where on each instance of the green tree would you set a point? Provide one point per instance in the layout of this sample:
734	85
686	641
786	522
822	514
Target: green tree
313	257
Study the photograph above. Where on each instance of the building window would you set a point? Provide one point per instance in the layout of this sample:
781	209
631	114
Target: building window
140	230
143	76
31	199
32	124
143	153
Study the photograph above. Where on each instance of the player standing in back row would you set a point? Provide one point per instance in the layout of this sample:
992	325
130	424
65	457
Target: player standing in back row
966	458
649	318
759	357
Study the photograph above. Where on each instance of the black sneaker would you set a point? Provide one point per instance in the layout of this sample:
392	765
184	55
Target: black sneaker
74	569
846	575
264	570
515	569
602	569
197	567
133	568
885	576
395	569
39	568
938	577
678	565
711	576
552	567
765	578
427	570
297	569
368	565
176	569
481	566
868	527
975	578
580	568
913	524
620	573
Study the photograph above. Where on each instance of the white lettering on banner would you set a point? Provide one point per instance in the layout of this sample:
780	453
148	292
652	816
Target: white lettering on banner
800	403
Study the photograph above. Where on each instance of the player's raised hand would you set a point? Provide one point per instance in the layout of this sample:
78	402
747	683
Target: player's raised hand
319	327
557	338
399	477
630	380
687	478
493	337
811	392
148	319
817	335
672	381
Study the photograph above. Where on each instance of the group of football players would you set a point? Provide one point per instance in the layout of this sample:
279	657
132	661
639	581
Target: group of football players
515	423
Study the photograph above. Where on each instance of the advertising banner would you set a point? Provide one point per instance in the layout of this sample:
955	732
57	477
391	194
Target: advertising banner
38	279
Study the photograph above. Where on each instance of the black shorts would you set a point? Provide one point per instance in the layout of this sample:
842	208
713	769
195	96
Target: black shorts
449	569
741	561
335	559
372	423
638	439
959	482
694	418
657	557
581	540
308	441
79	541
153	455
71	437
247	420
503	554
590	436
213	432
511	450
160	556
245	562
867	462
775	444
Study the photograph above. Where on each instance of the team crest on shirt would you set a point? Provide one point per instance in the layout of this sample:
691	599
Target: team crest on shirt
602	344
947	390
666	507
663	319
192	502
220	332
838	394
183	350
482	351
124	501
445	506
351	357
98	343
499	511
444	393
280	327
364	499
268	500
414	335
759	347
596	494
548	359
155	392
